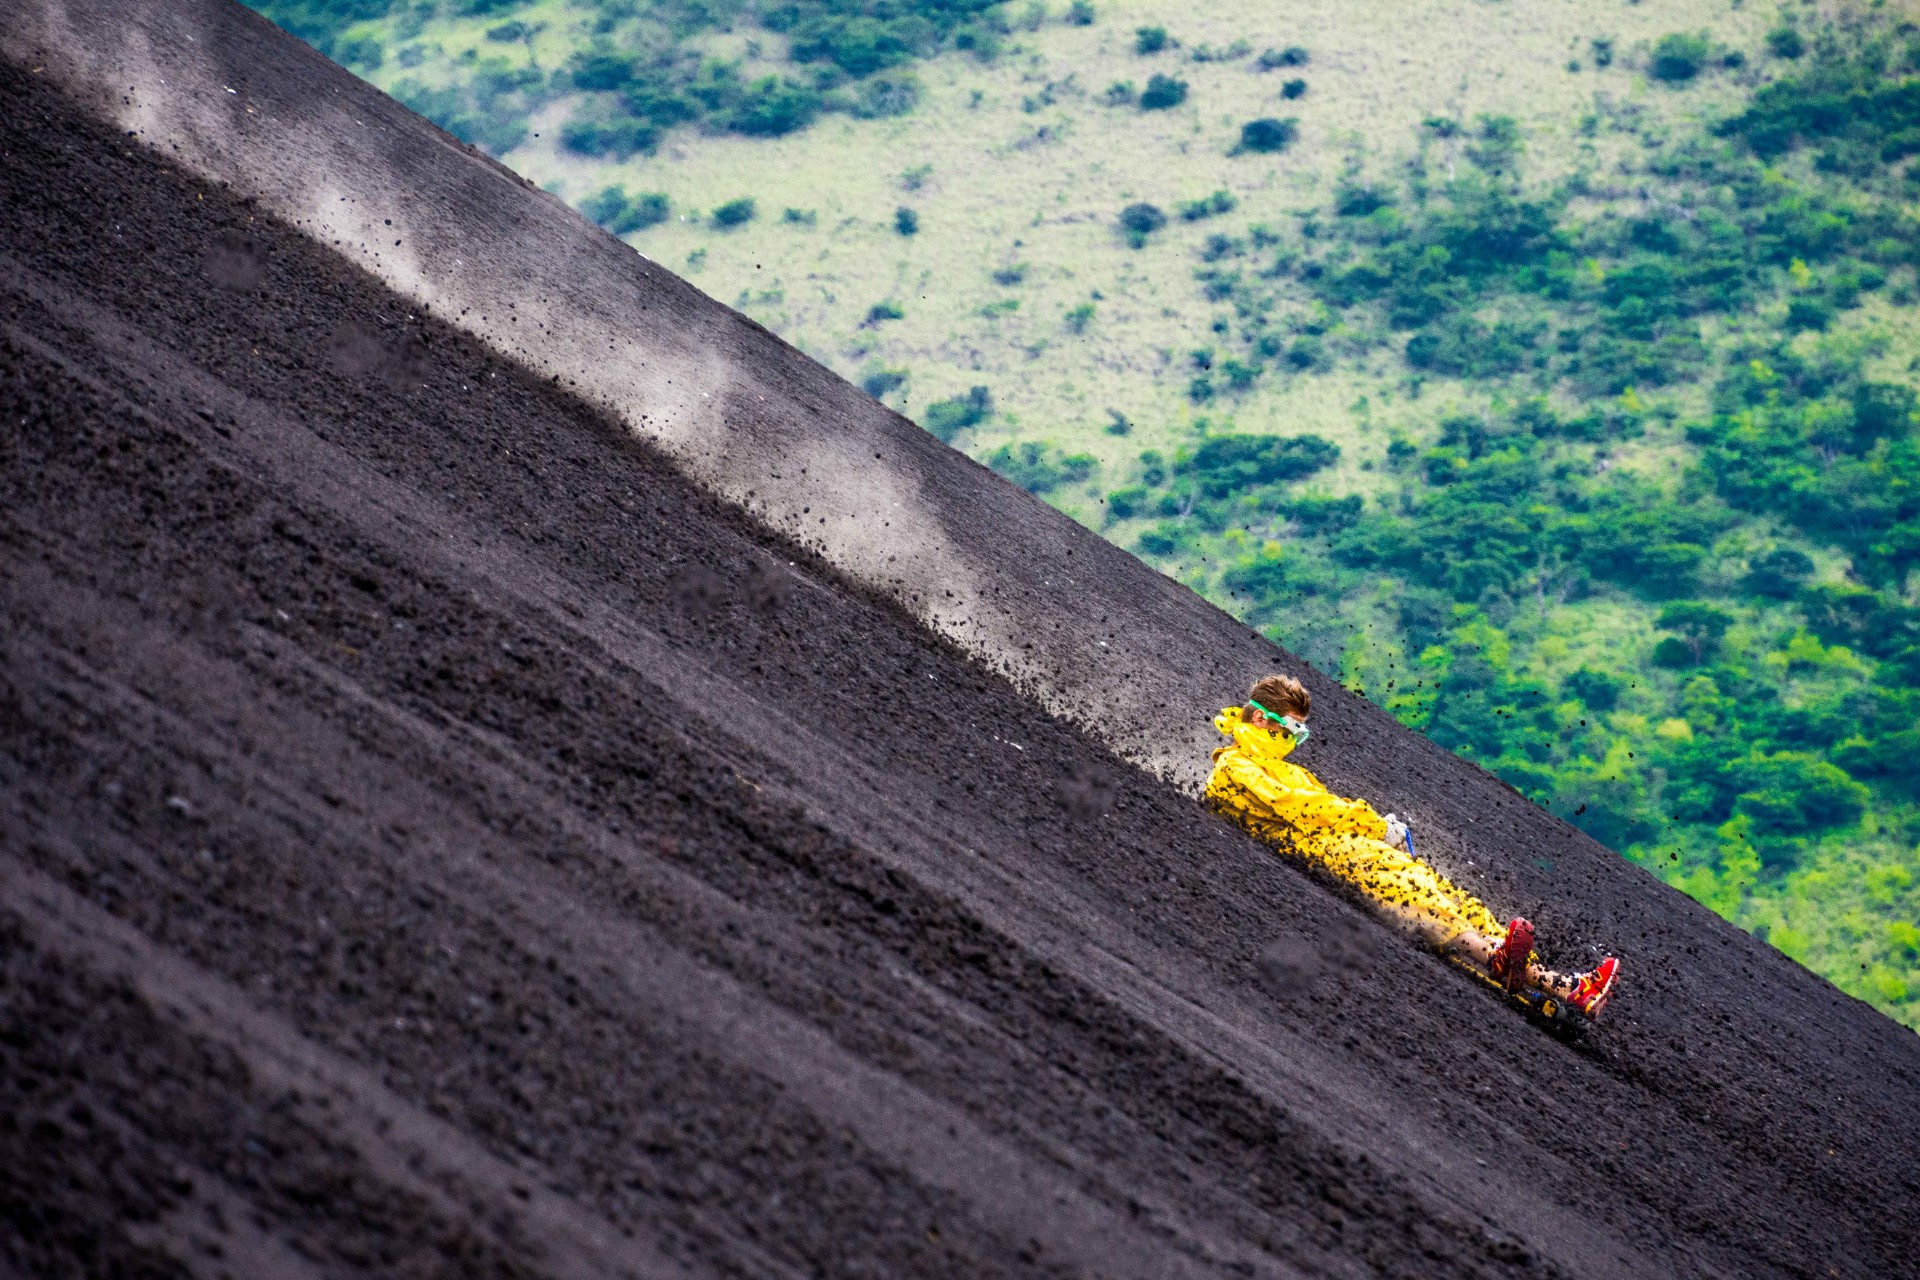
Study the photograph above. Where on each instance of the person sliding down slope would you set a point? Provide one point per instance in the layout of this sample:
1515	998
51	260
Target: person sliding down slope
1283	805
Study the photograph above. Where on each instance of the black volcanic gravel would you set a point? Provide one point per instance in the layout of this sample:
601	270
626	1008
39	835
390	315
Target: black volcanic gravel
437	839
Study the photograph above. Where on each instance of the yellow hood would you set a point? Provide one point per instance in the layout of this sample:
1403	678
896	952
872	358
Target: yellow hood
1261	747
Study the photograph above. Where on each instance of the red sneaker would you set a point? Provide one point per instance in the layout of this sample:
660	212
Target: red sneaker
1592	990
1509	963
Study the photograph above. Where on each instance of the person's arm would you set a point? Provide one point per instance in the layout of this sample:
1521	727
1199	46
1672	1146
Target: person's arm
1308	807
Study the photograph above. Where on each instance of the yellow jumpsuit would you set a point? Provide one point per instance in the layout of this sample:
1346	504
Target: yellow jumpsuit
1284	806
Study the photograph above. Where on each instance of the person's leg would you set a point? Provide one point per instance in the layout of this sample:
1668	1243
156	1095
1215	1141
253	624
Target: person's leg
1410	893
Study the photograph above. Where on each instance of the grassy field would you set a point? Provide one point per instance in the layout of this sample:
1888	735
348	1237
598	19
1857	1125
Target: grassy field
1021	167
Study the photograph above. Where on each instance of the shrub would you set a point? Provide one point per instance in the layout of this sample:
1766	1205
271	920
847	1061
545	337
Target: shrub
1778	575
1679	57
362	54
1120	94
1786	42
735	213
1208	206
600	67
1124	504
906	221
1292	56
1162	93
613	209
1808	313
1080	14
1039	467
1228	464
772	106
1149	40
1792	792
881	381
882	311
1602	53
1598	690
1269	135
859	46
1359	201
1699	627
893	93
1141	220
982	41
799	217
946	419
598	132
1294	89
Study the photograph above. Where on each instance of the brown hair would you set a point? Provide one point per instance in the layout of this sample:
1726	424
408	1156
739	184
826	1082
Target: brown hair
1283	696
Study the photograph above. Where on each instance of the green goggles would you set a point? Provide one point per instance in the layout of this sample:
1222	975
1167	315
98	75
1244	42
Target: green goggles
1298	728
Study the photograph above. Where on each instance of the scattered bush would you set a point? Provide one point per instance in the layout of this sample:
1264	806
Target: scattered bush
1598	690
1208	206
1139	221
1779	575
363	55
892	93
1207	53
1700	628
1791	792
1679	57
880	312
1292	56
1294	89
1786	42
799	217
1121	94
1039	467
621	214
1148	40
1229	464
881	382
1162	93
1079	318
601	132
1357	201
1602	53
906	221
1080	13
1268	136
946	419
735	213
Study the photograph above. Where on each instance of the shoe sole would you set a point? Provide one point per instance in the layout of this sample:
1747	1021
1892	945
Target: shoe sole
1599	1001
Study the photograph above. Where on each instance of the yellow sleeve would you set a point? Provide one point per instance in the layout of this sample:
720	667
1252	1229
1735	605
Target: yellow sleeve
1304	806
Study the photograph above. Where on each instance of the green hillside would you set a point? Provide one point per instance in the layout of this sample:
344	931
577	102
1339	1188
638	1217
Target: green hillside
1547	371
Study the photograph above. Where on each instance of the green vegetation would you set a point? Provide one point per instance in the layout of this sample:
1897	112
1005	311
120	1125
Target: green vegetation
735	213
1556	391
1268	135
948	418
621	214
639	71
1138	221
1162	93
1715	670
